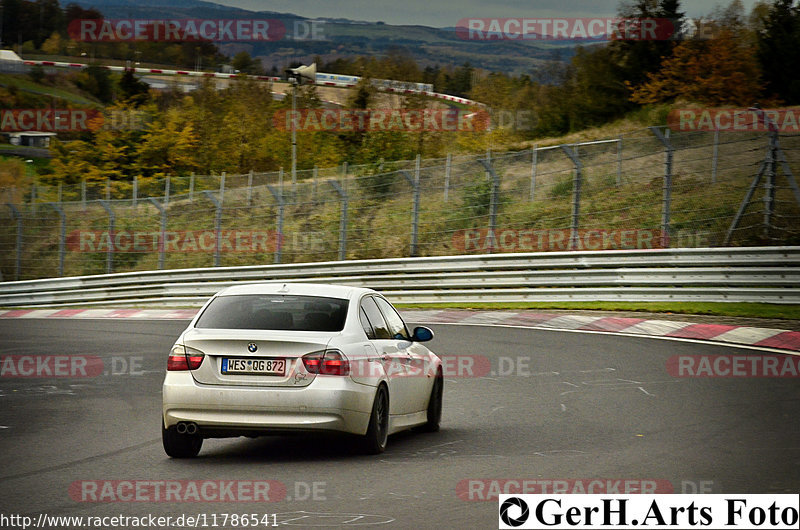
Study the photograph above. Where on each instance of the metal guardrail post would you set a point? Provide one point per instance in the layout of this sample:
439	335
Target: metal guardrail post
161	243
110	251
493	203
18	245
667	187
342	219
278	196
217	224
62	236
576	195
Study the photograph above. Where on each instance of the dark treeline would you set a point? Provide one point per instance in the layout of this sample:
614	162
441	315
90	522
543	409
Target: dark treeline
42	26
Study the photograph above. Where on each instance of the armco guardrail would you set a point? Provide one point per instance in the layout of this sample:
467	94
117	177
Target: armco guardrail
760	274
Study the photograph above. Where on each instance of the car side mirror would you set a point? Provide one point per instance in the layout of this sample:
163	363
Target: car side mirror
422	334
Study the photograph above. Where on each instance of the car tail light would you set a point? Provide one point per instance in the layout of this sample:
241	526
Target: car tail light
328	362
183	358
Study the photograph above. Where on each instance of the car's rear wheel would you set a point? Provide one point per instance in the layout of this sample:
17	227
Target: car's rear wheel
179	445
435	404
374	442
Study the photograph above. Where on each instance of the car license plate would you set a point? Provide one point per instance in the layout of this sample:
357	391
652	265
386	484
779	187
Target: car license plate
232	365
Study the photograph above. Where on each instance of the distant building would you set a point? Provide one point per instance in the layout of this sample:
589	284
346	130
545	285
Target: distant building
30	138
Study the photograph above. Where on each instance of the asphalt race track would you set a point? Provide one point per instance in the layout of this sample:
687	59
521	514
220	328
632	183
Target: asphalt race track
554	406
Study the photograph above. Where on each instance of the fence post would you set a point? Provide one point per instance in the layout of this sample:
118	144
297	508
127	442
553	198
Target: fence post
18	245
414	181
493	204
191	187
769	181
110	251
167	190
487	174
715	157
217	223
222	187
619	162
62	236
60	193
135	190
576	195
314	176
250	188
534	164
83	194
280	179
108	189
278	196
447	169
161	243
667	187
33	197
342	219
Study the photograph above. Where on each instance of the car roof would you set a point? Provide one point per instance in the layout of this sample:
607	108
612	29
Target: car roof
304	289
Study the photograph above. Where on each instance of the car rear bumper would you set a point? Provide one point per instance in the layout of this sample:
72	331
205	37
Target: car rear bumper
329	403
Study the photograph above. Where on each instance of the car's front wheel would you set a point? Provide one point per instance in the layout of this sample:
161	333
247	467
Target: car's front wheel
374	442
179	445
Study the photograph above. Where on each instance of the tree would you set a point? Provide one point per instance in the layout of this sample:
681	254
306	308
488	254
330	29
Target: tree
637	58
132	89
245	64
779	50
720	71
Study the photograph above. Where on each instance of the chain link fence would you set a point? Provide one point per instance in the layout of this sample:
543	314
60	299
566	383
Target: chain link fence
647	189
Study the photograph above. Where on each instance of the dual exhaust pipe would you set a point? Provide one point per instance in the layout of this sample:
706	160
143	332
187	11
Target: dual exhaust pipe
187	427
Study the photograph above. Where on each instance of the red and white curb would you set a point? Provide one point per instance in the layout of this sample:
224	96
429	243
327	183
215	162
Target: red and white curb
744	335
748	336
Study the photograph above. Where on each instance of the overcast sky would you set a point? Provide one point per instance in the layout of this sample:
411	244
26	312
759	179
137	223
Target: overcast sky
442	14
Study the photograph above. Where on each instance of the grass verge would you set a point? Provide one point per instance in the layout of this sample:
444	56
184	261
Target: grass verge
731	309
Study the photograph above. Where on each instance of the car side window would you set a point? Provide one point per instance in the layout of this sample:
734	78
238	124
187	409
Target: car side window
373	314
396	325
362	316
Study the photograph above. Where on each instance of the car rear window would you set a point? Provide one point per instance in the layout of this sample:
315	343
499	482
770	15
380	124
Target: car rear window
275	312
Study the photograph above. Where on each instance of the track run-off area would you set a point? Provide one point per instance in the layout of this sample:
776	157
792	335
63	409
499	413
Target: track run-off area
540	410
